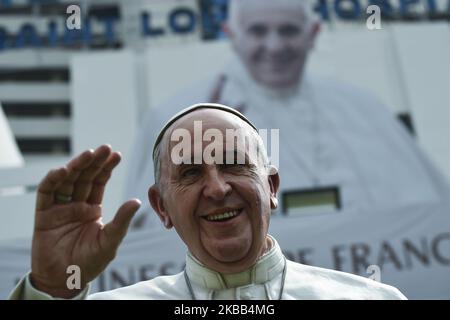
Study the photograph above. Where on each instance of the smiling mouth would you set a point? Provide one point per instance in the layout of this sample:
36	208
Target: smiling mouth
223	216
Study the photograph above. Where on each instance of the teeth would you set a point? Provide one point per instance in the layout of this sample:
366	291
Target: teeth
222	216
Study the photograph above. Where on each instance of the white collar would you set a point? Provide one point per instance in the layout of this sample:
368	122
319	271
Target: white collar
267	267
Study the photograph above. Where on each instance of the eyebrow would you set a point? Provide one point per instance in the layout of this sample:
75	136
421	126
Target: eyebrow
290	27
180	167
191	161
235	155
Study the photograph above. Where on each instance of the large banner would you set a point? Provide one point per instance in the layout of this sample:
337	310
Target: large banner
409	249
381	212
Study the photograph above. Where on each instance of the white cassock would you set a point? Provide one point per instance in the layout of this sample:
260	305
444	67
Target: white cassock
330	134
9	152
266	280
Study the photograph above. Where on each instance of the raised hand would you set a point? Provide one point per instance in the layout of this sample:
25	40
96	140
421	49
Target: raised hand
68	228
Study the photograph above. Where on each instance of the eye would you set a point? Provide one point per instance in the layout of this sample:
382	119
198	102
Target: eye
191	172
234	165
289	30
257	30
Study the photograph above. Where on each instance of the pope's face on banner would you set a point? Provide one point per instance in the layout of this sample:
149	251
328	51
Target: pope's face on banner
221	211
273	42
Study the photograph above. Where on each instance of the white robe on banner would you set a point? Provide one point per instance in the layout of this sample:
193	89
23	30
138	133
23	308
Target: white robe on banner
330	134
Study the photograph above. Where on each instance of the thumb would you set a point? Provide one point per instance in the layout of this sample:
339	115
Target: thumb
116	230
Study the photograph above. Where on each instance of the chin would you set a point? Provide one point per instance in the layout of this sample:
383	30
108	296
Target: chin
278	83
229	256
231	252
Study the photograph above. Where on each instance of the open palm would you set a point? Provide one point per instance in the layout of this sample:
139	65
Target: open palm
68	228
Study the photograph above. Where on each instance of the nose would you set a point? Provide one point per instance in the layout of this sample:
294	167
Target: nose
216	187
273	42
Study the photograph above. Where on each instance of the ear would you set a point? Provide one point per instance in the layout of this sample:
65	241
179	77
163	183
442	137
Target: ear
156	200
315	30
227	30
231	35
274	183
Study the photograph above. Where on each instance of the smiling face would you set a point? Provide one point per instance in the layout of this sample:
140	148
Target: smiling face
221	211
273	40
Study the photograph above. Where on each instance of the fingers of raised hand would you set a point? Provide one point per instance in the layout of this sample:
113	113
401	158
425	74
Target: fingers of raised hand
74	169
57	184
83	184
82	179
99	183
47	187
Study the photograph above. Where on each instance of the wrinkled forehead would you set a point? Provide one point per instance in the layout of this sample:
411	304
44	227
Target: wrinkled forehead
206	133
246	14
183	113
202	121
